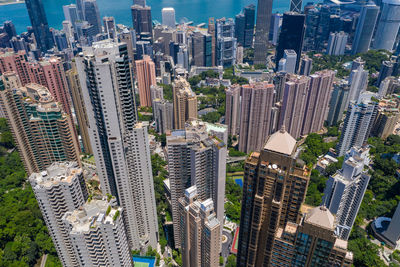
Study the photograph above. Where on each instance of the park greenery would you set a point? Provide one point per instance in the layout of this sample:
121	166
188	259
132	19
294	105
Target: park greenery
373	60
23	234
159	175
233	193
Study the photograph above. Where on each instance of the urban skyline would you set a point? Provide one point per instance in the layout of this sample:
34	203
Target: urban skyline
259	139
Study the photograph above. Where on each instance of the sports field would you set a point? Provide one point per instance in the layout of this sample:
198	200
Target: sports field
141	261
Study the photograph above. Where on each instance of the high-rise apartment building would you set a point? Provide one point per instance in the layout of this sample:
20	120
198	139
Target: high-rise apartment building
345	190
163	113
338	103
264	11
185	103
195	157
337	43
58	189
312	242
290	58
37	15
226	42
385	71
120	145
97	234
306	102
274	189
141	20
388	25
255	115
365	28
232	109
210	31
359	120
146	77
387	117
48	72
42	131
79	107
200	230
358	81
318	98
168	17
291	36
305	66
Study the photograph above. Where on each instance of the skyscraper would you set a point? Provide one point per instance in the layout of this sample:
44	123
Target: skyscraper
249	19
58	189
71	13
185	103
290	57
388	25
345	190
226	42
97	233
42	131
264	11
337	43
305	66
196	158
294	104
296	5
365	28
141	20
255	115
274	188
358	81
276	25
146	77
291	36
37	15
385	71
120	145
92	14
338	102
312	242
201	230
357	125
168	17
79	107
109	27
232	108
163	113
202	49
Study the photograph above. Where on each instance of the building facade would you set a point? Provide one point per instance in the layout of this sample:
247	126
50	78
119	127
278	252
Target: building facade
58	189
273	191
146	77
185	103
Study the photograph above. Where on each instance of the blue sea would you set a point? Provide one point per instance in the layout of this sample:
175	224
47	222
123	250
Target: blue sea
197	11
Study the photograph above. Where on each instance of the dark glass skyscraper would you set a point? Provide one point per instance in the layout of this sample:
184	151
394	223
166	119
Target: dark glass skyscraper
264	12
39	23
296	5
292	35
141	20
249	18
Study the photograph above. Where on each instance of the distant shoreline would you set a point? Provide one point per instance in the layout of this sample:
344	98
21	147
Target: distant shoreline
12	3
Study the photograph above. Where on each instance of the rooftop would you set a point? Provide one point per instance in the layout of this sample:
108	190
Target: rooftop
281	142
322	217
56	173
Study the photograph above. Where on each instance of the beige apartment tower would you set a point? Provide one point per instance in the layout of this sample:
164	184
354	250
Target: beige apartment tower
185	103
274	189
79	107
255	115
311	243
146	77
43	132
201	231
232	109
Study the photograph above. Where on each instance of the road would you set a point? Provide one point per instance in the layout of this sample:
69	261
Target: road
44	259
226	246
